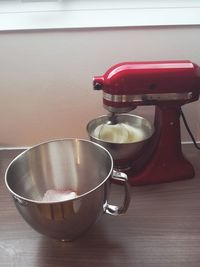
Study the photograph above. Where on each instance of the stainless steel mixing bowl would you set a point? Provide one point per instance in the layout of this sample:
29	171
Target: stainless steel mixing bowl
79	165
123	153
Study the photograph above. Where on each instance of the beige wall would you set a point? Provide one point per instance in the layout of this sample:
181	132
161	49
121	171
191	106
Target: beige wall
46	77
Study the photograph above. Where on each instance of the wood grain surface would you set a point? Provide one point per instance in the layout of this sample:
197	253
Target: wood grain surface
161	228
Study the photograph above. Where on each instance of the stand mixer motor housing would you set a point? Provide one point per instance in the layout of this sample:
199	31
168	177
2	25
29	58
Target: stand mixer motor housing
168	85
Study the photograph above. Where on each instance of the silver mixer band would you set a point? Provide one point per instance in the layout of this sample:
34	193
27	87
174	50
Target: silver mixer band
147	97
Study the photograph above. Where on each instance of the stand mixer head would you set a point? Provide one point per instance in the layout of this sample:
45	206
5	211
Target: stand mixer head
167	85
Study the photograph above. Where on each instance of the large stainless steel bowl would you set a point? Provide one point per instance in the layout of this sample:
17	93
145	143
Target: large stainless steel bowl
123	153
79	165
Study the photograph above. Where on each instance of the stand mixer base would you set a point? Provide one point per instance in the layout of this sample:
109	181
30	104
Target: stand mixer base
166	160
175	170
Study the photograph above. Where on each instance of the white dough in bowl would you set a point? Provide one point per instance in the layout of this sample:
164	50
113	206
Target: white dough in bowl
118	133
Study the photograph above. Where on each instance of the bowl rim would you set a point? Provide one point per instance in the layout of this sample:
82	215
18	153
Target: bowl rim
28	200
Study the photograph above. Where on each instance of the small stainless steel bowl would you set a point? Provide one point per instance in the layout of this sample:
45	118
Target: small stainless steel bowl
79	165
123	153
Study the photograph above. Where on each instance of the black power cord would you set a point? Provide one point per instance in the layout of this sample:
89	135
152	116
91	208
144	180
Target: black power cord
189	131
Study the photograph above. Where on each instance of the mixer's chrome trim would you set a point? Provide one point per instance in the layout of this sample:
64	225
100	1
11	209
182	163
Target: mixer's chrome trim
118	110
147	97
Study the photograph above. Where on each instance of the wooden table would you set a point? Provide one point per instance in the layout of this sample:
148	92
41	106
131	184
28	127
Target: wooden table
161	228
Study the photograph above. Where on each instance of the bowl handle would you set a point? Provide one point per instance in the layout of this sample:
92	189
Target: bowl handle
122	179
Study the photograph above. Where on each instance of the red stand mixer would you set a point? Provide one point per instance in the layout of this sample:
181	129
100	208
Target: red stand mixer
168	85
